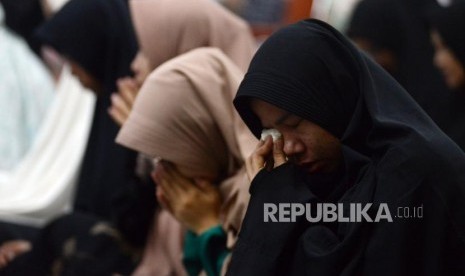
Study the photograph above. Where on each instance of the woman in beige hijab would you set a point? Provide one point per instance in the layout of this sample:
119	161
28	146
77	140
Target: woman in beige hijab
168	28
184	115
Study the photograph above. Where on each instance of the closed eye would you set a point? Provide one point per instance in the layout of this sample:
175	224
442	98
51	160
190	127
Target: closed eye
294	124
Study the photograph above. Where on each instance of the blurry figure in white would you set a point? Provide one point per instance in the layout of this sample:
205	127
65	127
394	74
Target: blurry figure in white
26	91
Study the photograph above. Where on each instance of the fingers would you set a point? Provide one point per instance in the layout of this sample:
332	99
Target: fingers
118	117
118	102
123	100
9	250
173	176
268	154
162	200
279	157
168	192
257	160
205	185
119	110
128	89
159	193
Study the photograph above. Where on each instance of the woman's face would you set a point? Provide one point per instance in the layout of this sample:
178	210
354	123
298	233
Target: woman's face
306	144
85	78
445	60
141	68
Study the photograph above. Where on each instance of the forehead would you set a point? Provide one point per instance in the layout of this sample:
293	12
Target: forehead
266	112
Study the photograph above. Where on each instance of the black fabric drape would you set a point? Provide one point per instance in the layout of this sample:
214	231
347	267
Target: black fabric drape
98	35
393	154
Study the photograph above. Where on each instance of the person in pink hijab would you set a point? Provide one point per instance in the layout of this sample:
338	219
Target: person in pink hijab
184	116
168	28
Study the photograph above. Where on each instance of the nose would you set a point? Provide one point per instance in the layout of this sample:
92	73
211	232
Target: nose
292	147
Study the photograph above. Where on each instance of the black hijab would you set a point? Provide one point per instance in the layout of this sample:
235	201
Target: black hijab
23	17
98	35
393	154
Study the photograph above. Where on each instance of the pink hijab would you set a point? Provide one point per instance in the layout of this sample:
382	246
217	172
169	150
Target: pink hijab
184	114
167	28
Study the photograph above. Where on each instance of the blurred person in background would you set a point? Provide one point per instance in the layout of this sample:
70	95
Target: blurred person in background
446	25
99	47
26	93
395	34
166	29
184	117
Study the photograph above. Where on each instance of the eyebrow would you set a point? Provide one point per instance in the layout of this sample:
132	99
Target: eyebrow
279	121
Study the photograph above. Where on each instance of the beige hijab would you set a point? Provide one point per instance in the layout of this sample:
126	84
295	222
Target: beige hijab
184	114
167	28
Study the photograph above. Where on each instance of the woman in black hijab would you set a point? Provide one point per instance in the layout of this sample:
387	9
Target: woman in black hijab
391	156
97	38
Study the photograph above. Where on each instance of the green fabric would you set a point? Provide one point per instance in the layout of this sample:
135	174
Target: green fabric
205	252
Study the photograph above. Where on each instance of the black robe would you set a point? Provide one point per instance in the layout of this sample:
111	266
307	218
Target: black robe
393	154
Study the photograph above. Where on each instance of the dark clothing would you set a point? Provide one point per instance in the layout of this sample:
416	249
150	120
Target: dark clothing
75	244
393	154
11	231
400	26
98	35
23	17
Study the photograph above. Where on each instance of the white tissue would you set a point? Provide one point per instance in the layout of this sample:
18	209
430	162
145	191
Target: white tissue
275	134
